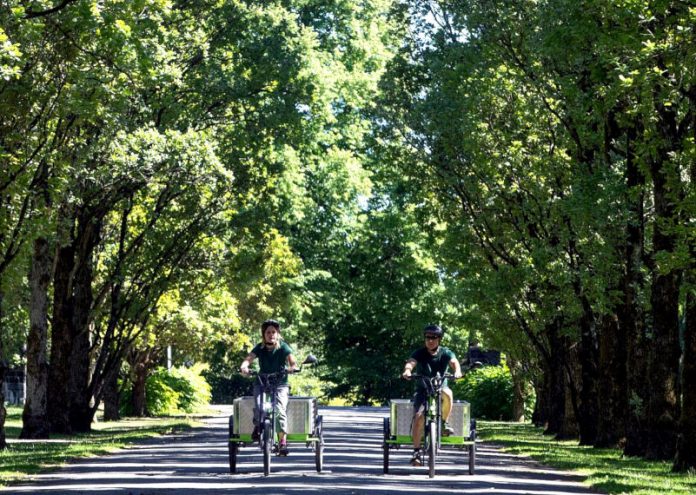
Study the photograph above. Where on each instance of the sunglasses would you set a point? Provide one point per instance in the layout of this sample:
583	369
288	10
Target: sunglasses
432	337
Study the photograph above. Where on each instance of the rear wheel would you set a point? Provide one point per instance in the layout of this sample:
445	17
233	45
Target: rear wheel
232	447
385	447
472	453
432	443
267	445
319	448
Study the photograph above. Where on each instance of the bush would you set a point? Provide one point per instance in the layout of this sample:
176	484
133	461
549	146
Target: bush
488	390
177	390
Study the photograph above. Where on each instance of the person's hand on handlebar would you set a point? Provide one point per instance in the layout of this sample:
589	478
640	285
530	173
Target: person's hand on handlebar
406	375
458	374
244	369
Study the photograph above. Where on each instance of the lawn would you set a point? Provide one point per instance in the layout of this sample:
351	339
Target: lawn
607	470
27	457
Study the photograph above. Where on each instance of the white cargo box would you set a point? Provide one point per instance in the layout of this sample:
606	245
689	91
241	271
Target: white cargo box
301	413
243	410
401	416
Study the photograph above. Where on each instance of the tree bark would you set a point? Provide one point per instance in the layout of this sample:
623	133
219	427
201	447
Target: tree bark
35	422
611	419
112	399
59	397
82	408
631	314
518	390
685	458
558	424
665	351
140	368
588	408
3	367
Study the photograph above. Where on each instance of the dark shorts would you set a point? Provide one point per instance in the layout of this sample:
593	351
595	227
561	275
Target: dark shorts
420	398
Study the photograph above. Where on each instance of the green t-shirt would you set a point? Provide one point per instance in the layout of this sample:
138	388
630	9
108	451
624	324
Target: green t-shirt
272	360
429	364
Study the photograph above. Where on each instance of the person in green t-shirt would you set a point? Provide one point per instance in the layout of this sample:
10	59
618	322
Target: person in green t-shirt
430	360
274	355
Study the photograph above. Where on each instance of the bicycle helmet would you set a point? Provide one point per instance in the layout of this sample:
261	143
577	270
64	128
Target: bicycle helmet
433	330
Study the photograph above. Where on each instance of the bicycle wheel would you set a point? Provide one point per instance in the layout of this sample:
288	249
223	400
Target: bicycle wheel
472	453
232	447
267	445
319	447
432	444
385	447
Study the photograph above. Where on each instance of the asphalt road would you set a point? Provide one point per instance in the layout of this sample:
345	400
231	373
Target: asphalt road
196	463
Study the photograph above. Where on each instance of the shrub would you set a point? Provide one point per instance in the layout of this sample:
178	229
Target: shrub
177	390
488	390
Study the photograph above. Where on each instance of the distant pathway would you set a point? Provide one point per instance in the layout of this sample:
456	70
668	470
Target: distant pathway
195	463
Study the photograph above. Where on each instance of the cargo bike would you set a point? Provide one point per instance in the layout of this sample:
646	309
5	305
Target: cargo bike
397	427
303	423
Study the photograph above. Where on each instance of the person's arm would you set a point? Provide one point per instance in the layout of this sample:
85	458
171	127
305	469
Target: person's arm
456	367
292	363
244	367
408	368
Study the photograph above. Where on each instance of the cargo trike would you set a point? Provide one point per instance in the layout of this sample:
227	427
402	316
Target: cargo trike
397	427
304	425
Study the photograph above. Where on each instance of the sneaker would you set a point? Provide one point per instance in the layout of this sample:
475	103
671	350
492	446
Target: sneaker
256	434
416	459
283	449
447	430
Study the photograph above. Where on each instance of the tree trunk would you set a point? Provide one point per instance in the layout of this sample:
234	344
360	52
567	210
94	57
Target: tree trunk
611	420
35	415
59	397
558	422
571	382
685	458
3	411
112	399
631	314
665	351
518	390
588	414
140	367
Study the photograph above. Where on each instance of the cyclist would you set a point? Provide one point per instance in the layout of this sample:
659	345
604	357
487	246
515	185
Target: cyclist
274	355
430	359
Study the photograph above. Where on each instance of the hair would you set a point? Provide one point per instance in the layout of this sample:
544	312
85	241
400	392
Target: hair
270	323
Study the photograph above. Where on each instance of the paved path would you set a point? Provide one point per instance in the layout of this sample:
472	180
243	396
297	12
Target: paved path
195	463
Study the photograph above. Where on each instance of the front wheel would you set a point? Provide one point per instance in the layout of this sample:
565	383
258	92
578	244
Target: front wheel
472	453
267	445
319	448
385	447
233	448
432	444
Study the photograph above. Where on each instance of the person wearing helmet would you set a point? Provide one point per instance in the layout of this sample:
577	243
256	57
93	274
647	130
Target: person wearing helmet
274	355
429	360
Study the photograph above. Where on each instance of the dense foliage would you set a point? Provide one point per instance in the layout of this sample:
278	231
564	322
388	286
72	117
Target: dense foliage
521	172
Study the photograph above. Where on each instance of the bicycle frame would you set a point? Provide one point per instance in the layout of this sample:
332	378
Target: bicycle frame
433	386
268	383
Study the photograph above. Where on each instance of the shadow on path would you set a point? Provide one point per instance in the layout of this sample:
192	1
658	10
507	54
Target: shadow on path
196	463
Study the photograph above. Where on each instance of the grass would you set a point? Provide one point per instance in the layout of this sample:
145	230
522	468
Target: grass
29	457
607	471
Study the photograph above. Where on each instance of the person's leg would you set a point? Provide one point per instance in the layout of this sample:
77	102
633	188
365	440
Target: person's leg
446	409
419	405
447	399
282	395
